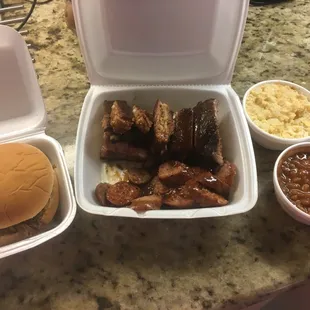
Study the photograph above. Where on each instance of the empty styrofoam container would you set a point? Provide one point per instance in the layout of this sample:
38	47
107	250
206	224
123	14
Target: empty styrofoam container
179	51
23	119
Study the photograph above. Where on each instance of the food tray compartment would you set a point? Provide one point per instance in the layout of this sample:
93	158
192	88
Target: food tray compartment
67	206
237	145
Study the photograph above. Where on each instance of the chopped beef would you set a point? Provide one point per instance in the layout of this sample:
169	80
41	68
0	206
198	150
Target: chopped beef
101	193
138	176
121	118
163	122
182	140
146	203
207	140
227	173
142	119
122	193
121	150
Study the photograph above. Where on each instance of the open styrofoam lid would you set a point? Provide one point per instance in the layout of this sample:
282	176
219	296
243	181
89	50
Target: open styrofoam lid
147	41
21	105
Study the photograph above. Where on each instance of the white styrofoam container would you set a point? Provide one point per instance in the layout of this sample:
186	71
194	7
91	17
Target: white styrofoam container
262	137
180	51
23	119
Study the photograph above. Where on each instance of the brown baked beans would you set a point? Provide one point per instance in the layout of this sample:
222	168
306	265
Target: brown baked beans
294	180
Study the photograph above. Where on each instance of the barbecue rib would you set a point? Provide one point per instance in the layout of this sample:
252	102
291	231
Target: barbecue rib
121	117
182	139
163	122
105	123
142	119
207	140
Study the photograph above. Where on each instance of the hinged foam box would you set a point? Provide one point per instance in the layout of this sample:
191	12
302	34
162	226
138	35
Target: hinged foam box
23	119
181	51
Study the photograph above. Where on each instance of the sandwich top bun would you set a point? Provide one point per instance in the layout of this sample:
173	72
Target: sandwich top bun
26	183
51	207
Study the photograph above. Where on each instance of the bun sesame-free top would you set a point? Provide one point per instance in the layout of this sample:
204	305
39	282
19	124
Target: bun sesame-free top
26	183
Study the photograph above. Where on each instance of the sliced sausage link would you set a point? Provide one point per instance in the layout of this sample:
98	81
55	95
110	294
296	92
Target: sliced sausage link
122	193
101	193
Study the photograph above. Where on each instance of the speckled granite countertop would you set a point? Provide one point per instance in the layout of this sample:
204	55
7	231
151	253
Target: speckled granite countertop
113	263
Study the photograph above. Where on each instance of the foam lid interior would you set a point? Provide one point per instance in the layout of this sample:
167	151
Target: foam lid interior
21	105
160	42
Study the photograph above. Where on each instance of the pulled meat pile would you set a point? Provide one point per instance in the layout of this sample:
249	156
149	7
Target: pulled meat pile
175	158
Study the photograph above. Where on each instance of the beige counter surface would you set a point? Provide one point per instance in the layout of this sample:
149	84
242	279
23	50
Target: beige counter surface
114	263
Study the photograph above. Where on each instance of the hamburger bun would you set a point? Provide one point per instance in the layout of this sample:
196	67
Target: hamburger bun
50	209
28	184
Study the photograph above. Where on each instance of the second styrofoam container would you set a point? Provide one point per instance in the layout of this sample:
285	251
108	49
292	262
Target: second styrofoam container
23	120
178	51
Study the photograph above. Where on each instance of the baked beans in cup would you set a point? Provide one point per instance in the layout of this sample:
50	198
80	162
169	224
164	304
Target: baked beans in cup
292	181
